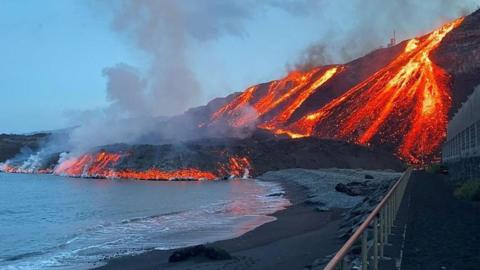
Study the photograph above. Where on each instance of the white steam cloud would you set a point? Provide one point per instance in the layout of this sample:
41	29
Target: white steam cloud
163	30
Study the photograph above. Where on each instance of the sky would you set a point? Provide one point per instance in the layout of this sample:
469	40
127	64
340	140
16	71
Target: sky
54	54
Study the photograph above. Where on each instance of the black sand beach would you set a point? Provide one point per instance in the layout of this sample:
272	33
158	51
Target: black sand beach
299	236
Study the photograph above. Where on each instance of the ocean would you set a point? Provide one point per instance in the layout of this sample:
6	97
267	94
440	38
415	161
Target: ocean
53	222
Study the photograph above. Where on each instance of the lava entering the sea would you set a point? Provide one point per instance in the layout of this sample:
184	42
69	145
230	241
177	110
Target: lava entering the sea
104	165
13	169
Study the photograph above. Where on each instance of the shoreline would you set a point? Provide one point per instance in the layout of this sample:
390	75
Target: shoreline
299	235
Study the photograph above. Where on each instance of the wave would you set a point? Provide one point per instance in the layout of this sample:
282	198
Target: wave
219	220
22	256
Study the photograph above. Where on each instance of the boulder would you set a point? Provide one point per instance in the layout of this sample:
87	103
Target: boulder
349	190
187	253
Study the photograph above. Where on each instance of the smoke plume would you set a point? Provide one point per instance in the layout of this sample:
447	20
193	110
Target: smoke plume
165	31
356	27
162	30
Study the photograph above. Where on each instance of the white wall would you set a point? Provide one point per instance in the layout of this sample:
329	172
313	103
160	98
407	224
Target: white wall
463	134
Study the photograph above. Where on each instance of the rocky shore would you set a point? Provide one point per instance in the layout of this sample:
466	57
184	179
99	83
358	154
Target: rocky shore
356	192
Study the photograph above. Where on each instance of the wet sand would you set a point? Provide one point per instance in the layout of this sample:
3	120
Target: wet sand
295	240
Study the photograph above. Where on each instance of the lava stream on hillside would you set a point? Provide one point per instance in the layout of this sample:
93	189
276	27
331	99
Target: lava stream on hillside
403	105
282	97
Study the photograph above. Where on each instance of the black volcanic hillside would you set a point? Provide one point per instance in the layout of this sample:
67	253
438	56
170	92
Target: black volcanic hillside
385	98
11	145
459	55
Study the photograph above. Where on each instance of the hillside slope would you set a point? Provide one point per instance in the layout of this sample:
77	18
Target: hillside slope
399	98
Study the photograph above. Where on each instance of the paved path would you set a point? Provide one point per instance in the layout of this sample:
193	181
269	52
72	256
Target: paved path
434	230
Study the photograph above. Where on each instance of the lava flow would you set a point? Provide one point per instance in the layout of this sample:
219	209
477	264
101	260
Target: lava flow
404	105
237	166
89	165
283	96
13	169
157	174
104	165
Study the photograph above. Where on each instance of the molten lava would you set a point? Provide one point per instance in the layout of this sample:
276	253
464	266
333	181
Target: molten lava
404	105
237	166
89	165
283	96
104	165
284	115
8	168
157	174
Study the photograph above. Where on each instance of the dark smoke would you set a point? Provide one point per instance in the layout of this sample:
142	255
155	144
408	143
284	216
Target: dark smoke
314	55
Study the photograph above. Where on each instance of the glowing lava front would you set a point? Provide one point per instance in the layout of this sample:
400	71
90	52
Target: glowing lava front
104	165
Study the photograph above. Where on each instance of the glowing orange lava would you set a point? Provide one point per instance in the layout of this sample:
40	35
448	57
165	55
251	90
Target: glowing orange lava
405	103
104	165
157	174
285	95
238	166
89	165
13	169
283	116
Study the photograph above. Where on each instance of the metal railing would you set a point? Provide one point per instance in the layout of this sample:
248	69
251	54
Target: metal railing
373	233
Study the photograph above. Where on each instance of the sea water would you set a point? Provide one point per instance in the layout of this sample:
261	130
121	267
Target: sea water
53	222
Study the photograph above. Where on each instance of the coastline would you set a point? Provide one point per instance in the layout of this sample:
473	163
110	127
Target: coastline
299	235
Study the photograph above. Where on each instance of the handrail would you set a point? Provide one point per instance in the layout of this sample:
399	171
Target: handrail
386	209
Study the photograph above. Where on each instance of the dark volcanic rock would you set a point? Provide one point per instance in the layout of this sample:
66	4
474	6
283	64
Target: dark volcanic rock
373	193
356	188
459	55
11	145
347	190
368	176
211	253
263	154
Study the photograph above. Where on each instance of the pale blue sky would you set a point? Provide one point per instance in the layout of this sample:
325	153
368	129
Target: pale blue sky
52	54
